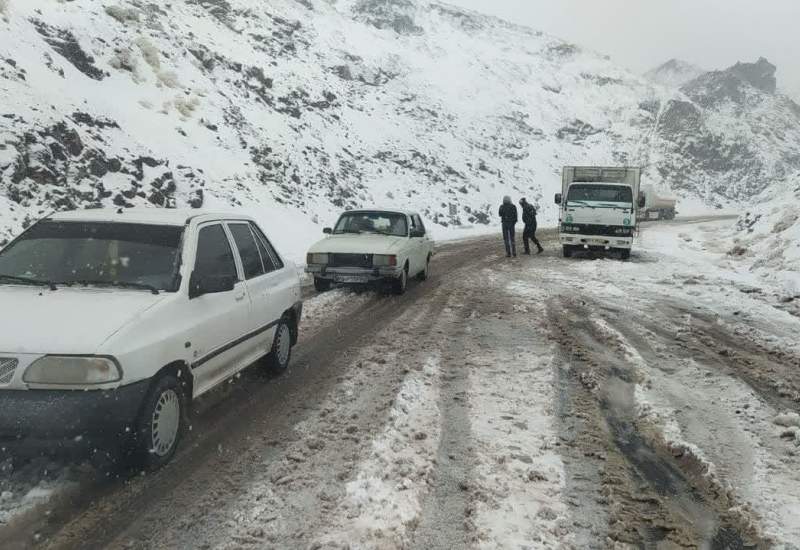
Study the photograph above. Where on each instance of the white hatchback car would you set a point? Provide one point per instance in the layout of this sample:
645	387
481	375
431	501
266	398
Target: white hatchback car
372	245
113	320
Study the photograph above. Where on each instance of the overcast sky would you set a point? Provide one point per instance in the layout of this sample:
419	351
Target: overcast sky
641	34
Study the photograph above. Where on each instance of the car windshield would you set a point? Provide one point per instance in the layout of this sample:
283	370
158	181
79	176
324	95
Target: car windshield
104	254
593	193
384	223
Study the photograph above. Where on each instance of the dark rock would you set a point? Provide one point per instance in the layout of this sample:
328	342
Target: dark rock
65	44
760	74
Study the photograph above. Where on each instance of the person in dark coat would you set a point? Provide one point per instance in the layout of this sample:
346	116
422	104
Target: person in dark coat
529	233
508	215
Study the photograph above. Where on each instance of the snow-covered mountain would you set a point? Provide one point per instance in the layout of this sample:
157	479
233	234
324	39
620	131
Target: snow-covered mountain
674	73
296	109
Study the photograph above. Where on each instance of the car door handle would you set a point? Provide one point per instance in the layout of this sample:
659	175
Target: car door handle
240	297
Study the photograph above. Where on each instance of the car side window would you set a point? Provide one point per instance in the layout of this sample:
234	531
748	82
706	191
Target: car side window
214	253
418	223
265	245
248	250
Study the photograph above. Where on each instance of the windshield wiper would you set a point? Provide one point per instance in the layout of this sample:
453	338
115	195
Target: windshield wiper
354	231
115	284
28	281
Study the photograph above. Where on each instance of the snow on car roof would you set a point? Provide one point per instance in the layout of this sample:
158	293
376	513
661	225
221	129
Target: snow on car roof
155	216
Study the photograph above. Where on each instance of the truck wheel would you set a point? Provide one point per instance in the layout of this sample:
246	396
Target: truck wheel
625	253
160	424
425	273
399	284
281	352
321	285
567	251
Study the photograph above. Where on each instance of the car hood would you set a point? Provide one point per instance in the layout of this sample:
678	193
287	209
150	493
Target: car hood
365	243
68	320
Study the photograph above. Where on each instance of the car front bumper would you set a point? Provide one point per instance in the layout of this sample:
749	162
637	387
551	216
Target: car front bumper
354	274
69	417
595	241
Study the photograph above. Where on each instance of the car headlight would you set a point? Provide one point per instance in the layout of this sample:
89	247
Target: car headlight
316	259
384	260
70	370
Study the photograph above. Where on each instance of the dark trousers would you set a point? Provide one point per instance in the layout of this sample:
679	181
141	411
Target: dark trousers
509	237
529	234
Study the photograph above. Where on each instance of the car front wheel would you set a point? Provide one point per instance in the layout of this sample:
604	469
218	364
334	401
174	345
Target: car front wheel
399	284
161	423
281	353
425	273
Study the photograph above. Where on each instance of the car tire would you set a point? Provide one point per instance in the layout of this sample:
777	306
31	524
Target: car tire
161	423
567	249
322	285
400	283
281	353
625	253
425	273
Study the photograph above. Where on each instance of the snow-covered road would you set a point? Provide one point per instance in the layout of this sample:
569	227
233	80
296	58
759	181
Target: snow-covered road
528	403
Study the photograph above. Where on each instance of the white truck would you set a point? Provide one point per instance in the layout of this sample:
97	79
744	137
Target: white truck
657	207
599	208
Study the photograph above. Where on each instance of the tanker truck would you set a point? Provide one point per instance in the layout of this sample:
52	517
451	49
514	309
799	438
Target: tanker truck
657	207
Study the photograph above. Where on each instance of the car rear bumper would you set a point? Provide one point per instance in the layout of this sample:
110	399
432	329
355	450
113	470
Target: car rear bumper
354	274
69	416
595	241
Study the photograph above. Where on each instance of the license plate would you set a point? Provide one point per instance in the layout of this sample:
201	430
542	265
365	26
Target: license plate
350	278
597	241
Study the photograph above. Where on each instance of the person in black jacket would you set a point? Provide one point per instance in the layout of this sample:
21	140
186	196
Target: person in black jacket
508	214
529	233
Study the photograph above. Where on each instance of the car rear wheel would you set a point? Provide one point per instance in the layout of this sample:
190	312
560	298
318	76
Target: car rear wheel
567	251
625	253
400	283
161	423
281	353
322	285
425	273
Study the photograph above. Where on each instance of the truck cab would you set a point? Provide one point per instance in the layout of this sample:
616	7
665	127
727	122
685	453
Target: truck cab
599	207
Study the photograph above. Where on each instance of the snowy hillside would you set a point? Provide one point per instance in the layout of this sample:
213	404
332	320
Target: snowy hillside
674	73
296	109
767	237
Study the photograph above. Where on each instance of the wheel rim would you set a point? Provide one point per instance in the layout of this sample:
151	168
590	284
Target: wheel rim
165	422
284	345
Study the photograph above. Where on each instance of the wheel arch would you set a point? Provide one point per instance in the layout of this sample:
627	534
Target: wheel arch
182	372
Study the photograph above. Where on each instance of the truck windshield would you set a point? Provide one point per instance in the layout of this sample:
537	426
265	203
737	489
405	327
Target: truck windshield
384	223
105	254
599	193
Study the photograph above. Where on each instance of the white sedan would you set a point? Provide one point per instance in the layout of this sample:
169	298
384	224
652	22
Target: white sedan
372	246
116	320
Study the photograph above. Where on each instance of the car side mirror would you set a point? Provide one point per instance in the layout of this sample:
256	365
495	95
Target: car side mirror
210	284
558	198
416	233
328	231
642	200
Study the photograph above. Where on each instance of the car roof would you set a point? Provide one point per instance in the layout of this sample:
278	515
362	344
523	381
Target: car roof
149	216
388	210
